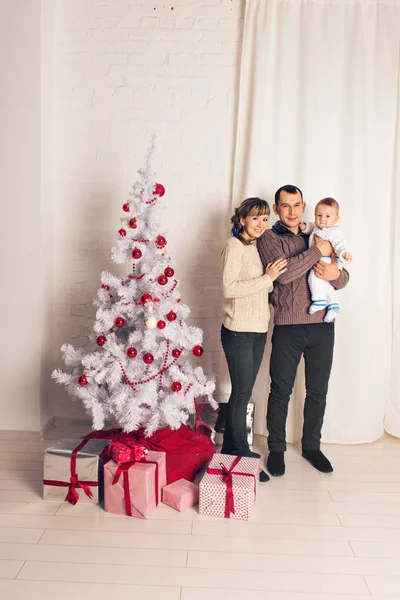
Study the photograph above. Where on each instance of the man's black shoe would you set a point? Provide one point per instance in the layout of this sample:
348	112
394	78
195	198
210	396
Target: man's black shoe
276	463
263	476
318	460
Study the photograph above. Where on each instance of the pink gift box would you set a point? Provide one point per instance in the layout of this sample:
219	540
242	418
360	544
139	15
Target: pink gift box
132	488
228	487
181	494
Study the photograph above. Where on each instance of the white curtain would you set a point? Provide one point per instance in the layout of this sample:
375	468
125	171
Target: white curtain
319	108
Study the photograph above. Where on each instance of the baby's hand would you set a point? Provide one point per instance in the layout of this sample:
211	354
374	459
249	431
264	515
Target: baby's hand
348	257
303	226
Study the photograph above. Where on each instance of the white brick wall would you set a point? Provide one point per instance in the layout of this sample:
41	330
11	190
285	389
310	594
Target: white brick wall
123	70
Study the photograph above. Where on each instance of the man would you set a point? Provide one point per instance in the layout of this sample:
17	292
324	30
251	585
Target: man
296	332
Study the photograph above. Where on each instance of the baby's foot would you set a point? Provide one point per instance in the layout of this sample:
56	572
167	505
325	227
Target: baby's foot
332	312
316	306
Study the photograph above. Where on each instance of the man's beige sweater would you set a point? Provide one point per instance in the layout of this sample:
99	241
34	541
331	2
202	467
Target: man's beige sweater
245	288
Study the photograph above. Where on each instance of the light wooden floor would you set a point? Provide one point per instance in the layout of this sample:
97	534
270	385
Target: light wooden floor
312	537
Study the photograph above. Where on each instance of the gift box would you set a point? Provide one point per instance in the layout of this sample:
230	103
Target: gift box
73	470
229	486
181	494
121	453
134	489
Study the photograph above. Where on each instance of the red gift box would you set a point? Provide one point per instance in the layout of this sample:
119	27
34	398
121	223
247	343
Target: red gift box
120	453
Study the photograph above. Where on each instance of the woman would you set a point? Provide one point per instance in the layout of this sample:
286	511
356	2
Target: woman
245	288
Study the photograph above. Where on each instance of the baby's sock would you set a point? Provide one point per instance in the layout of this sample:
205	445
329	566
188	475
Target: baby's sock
316	306
332	312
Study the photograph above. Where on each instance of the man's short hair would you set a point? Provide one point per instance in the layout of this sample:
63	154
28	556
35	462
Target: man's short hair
290	189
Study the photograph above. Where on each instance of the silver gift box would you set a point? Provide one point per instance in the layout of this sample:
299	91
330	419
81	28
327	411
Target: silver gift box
57	460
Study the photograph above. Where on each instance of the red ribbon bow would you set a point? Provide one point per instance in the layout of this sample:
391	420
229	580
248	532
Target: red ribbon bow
227	479
123	469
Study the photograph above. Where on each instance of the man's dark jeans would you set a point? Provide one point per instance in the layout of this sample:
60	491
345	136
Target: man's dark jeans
244	352
289	342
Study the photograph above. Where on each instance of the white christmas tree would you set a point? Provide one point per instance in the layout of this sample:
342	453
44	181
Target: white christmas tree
136	376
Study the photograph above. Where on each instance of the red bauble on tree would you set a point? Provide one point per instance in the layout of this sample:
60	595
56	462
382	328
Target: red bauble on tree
122	232
169	272
136	253
161	241
171	316
133	223
131	352
198	350
126	207
159	189
162	280
105	286
148	358
101	340
176	386
145	298
160	324
176	353
82	380
119	322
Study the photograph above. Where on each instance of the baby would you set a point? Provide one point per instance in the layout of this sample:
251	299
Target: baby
323	295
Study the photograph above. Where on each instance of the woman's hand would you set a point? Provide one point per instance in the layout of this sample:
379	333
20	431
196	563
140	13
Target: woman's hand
274	269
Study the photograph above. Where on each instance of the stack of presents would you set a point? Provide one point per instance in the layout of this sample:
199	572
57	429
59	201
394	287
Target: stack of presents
130	474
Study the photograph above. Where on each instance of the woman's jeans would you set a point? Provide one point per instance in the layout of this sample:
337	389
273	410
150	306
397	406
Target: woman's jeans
244	352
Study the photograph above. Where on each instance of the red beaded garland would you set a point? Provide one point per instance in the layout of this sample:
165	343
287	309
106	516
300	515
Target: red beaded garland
133	223
198	350
148	358
131	352
159	189
82	380
119	322
160	324
101	340
126	207
162	280
176	353
171	316
176	386
169	272
136	253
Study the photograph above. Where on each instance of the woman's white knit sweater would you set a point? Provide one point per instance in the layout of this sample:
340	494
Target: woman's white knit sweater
245	288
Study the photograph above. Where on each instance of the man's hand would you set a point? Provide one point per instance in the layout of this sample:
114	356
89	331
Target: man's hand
327	272
324	246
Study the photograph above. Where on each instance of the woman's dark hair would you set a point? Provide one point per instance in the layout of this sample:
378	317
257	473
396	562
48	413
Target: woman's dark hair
249	208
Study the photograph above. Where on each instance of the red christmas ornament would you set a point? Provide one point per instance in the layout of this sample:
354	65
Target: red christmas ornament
105	287
122	232
169	272
133	223
119	322
82	380
171	316
148	358
156	302
176	386
161	324
126	207
145	298
161	241
159	189
131	352
198	350
136	253
101	340
176	353
162	280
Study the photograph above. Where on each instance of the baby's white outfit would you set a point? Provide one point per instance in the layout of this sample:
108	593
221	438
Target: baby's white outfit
323	294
